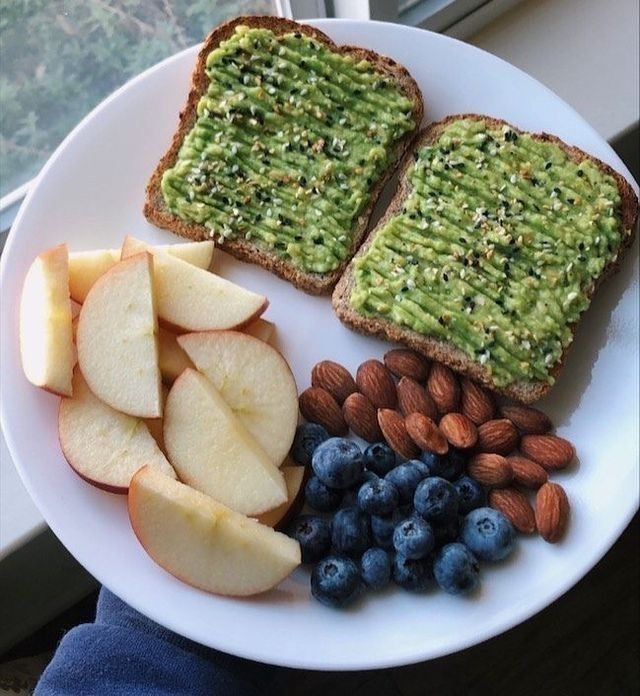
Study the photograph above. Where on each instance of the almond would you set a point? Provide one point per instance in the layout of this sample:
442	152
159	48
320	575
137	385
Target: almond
551	451
376	383
528	420
426	434
498	435
406	363
515	506
443	388
476	402
459	430
412	398
361	417
318	406
334	378
527	473
490	469
395	433
552	512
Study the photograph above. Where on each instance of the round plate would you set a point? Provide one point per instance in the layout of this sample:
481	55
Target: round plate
90	194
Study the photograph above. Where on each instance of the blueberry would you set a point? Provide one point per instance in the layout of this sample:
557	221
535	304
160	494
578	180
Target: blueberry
314	536
420	466
413	538
308	437
350	531
415	575
379	458
436	500
447	532
456	569
457	461
379	497
335	581
375	568
382	531
447	466
321	497
471	494
338	462
488	533
405	478
432	461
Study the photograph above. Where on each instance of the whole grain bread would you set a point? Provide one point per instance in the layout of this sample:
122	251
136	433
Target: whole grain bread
444	351
157	212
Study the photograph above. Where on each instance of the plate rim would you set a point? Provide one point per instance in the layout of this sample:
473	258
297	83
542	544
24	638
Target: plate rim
516	616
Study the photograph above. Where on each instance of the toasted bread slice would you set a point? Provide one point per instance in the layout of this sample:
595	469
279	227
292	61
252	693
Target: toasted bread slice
157	211
435	346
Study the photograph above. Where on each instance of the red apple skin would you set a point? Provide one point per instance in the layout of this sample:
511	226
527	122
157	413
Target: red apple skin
170	326
131	506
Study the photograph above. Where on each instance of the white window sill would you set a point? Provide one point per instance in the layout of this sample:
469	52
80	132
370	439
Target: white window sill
584	50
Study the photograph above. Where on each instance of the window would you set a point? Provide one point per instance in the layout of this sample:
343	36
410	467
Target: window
60	59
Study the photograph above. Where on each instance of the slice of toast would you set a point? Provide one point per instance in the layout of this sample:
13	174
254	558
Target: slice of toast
157	211
446	351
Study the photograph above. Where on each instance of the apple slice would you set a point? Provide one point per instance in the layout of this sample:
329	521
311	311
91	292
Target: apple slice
212	451
117	339
294	477
85	267
102	445
262	329
173	360
203	543
195	300
46	334
256	382
155	425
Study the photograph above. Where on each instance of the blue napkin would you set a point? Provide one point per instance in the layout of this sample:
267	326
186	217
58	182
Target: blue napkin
123	652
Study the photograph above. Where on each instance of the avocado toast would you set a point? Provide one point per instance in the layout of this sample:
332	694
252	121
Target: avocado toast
284	145
490	252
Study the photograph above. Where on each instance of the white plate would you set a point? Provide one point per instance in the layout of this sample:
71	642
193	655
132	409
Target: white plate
90	194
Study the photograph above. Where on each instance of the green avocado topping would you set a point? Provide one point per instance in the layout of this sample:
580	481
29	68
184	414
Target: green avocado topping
289	140
495	250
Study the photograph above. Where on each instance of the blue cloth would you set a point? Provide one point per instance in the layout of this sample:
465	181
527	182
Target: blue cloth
123	652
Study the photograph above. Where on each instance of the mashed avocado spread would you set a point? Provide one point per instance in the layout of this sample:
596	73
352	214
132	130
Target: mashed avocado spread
495	249
289	140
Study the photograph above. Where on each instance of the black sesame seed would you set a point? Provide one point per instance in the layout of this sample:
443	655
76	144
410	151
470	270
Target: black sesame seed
302	181
571	201
581	246
548	165
580	172
462	240
298	35
445	277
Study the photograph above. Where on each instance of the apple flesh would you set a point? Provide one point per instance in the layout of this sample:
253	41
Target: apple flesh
212	451
295	478
204	543
85	267
256	382
102	445
117	339
192	299
173	360
46	333
262	329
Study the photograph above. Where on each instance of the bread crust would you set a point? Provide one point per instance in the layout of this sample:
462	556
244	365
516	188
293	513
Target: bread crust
441	350
157	212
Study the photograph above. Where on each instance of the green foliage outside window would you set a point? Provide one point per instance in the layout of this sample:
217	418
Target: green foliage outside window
59	59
